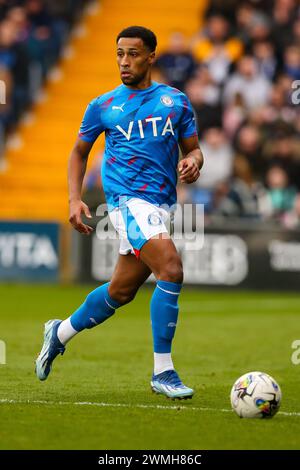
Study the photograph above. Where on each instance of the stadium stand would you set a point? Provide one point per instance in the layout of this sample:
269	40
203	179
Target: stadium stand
34	183
237	61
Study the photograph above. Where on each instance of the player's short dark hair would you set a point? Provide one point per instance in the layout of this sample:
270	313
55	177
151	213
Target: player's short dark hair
146	35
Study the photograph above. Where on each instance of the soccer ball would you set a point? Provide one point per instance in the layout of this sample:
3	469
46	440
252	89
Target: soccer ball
255	395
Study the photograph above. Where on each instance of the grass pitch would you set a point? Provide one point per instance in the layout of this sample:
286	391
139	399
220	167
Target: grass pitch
98	395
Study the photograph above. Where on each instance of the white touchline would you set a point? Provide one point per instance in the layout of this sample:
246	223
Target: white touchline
105	405
125	405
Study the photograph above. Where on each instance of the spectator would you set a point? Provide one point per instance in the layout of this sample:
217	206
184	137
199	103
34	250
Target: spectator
217	168
283	16
248	143
17	16
234	115
283	150
260	27
291	63
14	56
67	10
244	191
205	98
264	54
178	63
243	19
253	23
280	196
253	87
43	43
219	159
224	9
216	48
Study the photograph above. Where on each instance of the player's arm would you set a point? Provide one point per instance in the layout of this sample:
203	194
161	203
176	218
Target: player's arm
190	165
76	171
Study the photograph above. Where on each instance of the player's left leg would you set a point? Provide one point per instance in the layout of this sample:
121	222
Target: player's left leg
160	254
100	304
129	274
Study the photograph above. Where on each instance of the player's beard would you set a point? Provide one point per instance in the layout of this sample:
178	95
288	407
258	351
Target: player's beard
134	80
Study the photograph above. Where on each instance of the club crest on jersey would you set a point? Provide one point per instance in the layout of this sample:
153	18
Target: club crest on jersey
154	219
167	101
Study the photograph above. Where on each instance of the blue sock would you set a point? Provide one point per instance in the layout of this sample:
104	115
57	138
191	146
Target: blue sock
164	314
97	307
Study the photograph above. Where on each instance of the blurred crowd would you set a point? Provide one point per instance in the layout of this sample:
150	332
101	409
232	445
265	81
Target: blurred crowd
240	73
32	34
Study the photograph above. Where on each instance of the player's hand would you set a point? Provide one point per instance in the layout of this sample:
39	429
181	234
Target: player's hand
76	209
188	170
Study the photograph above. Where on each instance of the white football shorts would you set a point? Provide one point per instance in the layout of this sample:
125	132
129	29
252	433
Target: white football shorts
136	221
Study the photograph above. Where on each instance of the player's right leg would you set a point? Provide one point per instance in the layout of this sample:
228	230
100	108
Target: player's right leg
143	225
100	304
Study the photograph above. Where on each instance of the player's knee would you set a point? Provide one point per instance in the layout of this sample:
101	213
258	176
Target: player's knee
172	270
125	297
122	295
